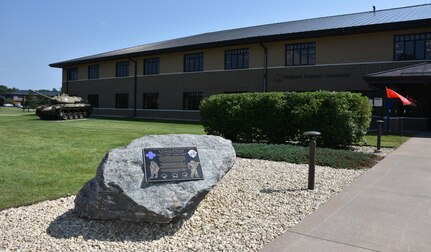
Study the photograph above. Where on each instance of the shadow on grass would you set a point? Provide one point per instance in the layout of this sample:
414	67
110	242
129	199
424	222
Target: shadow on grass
69	225
134	119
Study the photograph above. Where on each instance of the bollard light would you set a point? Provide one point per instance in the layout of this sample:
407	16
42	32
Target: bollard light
379	134
312	136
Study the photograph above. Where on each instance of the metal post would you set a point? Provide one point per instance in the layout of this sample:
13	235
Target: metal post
379	134
312	136
401	125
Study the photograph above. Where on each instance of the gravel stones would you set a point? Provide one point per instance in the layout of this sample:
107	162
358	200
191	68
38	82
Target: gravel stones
251	206
119	190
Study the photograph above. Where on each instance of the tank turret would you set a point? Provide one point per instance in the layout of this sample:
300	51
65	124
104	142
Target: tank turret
61	99
64	107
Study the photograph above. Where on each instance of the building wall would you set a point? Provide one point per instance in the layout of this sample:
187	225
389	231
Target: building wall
341	63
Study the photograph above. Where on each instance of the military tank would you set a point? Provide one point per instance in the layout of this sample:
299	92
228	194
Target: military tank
64	107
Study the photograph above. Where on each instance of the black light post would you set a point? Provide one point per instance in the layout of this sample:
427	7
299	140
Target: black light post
312	136
379	134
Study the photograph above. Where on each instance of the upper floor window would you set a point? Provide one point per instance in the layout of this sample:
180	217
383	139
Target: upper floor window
151	66
121	100
412	46
192	100
193	62
72	73
236	59
93	99
150	101
93	72
301	54
122	69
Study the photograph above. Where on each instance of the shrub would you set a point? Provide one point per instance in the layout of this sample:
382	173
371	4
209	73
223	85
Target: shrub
341	117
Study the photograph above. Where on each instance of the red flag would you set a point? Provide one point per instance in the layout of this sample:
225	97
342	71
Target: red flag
392	94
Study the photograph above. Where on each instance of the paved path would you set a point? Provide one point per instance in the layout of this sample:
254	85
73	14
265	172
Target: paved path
386	209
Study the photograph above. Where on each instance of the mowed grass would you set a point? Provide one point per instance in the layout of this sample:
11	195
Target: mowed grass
42	160
345	159
387	141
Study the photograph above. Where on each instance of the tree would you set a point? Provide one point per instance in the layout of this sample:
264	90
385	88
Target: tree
2	100
9	100
32	101
3	89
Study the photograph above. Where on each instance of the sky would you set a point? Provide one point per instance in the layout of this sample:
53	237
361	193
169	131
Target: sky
34	34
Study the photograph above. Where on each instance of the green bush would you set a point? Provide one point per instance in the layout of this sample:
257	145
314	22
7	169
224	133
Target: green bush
342	117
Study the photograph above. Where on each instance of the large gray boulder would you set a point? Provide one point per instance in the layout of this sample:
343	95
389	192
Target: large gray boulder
119	190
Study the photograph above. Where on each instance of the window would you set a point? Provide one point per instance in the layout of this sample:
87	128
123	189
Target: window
121	100
93	72
93	99
301	54
151	66
150	101
412	46
192	100
236	59
72	73
193	62
122	69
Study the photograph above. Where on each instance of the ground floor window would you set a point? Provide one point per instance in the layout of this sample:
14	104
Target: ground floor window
121	100
150	101
192	100
93	99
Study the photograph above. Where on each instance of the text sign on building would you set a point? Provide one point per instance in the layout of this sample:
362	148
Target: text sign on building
172	164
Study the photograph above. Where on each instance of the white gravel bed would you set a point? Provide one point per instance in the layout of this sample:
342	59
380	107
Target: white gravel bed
251	206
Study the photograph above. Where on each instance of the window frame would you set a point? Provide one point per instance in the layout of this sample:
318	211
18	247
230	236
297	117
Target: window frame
236	58
121	104
90	100
150	100
193	104
413	39
122	69
151	66
93	72
297	52
72	74
193	62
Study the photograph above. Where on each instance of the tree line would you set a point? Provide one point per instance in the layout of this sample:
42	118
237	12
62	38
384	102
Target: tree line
31	100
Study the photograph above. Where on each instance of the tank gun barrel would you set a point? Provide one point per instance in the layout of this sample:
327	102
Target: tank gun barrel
41	94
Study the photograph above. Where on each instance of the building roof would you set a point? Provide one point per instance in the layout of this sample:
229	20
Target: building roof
413	74
27	92
396	18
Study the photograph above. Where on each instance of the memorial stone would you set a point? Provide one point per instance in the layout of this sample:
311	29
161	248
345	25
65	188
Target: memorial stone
125	188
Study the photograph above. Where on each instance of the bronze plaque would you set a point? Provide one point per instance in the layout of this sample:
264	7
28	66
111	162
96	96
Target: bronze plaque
172	164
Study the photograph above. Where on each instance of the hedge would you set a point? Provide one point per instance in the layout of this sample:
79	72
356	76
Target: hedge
342	117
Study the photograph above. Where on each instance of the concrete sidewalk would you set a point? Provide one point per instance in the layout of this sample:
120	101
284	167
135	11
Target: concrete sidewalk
386	209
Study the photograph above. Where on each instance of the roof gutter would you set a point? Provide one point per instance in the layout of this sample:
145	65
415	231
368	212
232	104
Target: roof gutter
265	67
135	85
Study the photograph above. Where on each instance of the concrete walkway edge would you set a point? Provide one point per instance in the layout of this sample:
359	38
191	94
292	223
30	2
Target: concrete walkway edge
386	209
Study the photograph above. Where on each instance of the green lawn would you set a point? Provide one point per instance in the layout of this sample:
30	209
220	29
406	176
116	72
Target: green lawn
299	155
389	141
42	160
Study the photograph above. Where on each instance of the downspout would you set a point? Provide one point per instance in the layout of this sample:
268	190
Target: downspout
135	86
67	82
265	68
